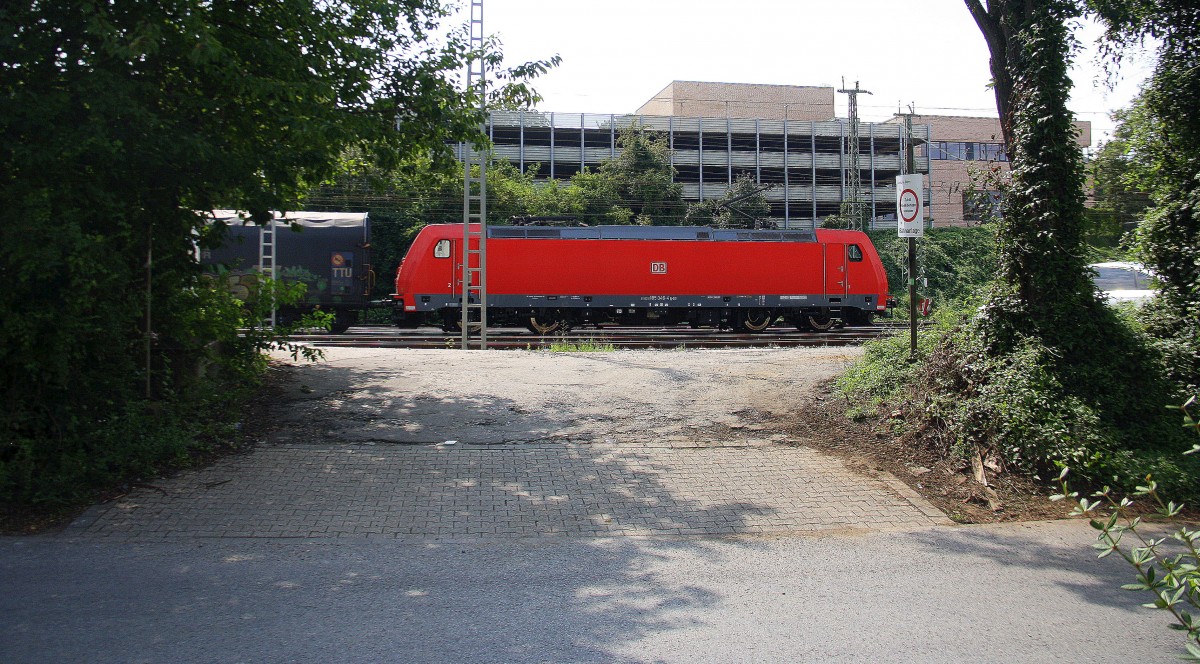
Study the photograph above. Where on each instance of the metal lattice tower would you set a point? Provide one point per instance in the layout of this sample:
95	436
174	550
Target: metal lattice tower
473	276
266	263
854	206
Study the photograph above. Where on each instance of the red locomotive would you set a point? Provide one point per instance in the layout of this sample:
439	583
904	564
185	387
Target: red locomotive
551	278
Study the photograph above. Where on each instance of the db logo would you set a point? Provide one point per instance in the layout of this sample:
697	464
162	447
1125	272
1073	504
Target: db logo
658	268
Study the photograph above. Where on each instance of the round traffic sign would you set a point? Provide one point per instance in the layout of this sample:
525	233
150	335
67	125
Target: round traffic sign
910	206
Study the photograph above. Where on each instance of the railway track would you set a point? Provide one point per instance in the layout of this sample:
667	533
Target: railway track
616	337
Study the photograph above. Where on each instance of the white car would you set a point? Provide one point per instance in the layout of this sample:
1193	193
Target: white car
1123	281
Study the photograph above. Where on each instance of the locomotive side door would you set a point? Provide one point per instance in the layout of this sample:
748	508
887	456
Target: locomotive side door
837	282
445	263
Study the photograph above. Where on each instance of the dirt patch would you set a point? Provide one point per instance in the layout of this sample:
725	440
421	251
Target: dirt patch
404	396
949	484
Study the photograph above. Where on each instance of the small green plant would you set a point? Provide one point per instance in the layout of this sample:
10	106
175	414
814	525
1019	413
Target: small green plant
1166	567
580	347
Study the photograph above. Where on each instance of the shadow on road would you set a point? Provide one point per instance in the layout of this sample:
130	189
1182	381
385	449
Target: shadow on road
323	546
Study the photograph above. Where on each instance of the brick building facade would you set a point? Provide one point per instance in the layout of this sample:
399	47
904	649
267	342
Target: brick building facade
965	155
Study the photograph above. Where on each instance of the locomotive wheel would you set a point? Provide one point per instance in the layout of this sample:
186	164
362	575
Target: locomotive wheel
452	322
858	317
757	320
819	322
545	325
456	327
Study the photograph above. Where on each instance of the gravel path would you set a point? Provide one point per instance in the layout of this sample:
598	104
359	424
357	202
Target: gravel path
702	397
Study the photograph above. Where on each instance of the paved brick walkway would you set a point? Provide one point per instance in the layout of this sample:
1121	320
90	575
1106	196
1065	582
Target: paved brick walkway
521	491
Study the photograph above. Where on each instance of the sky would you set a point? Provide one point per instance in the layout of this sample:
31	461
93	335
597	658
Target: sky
617	54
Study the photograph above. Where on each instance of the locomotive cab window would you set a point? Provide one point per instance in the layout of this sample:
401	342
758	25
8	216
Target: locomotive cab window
441	249
854	253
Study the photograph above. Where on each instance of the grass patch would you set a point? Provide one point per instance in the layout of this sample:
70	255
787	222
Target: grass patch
580	347
886	371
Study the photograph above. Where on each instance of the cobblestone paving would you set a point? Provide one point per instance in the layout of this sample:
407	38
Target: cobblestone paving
514	491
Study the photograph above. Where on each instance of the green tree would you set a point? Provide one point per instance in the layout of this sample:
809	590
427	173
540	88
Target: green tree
1164	134
1121	194
1043	287
1020	376
744	205
119	120
643	179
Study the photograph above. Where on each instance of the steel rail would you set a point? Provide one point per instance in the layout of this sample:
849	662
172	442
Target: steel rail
619	338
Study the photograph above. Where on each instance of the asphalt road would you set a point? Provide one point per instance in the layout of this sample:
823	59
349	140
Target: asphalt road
1008	593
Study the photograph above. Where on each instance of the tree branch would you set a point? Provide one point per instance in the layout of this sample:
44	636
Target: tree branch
993	33
989	26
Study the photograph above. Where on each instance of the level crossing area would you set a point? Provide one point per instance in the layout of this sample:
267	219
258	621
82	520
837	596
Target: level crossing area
403	443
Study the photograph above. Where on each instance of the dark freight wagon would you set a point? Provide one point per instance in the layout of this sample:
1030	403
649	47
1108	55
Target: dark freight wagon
327	251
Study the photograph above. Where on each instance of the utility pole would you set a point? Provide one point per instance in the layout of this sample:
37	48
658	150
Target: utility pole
854	206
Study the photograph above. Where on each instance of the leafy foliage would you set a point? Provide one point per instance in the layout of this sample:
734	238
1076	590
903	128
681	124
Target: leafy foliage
218	345
1104	419
1103	416
744	205
1021	377
119	122
886	372
1043	285
958	264
1121	194
644	180
1163	133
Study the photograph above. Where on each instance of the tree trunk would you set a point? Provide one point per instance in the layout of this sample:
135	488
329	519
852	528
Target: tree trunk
1044	287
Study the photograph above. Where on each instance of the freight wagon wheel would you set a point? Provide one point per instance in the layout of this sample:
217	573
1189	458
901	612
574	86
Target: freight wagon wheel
757	320
544	325
342	322
821	322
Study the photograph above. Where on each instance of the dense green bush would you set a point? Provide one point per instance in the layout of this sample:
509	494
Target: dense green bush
958	263
1104	419
215	358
